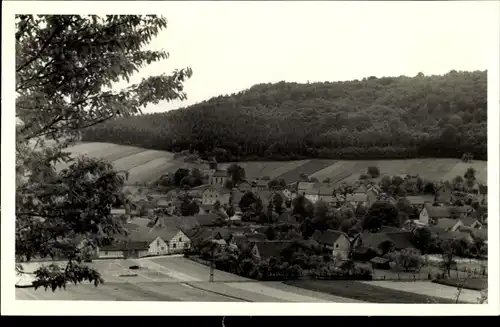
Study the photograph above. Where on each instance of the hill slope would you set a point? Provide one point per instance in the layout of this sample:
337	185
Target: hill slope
148	165
376	118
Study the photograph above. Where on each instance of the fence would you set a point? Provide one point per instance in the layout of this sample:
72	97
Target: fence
422	275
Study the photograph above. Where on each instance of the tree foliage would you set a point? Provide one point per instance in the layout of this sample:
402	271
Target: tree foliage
65	69
389	117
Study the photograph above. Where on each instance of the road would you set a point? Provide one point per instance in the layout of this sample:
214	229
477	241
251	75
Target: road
174	279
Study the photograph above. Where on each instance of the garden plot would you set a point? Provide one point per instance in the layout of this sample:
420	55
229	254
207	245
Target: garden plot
138	159
429	289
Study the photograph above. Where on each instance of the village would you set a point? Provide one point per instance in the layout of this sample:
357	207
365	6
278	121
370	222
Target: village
379	226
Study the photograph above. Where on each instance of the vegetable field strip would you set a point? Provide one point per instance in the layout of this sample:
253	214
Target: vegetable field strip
84	148
308	168
149	170
112	151
429	289
334	170
254	169
286	167
138	159
125	152
366	292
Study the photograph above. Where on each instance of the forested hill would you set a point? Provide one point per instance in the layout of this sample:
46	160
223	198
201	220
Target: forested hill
390	117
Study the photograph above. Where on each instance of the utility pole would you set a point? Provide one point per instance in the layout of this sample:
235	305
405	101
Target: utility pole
212	264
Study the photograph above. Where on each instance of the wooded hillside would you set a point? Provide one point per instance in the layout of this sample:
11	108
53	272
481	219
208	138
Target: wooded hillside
375	118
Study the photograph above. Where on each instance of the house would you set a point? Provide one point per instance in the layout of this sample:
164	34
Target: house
160	240
448	224
431	213
265	196
456	235
197	192
483	194
163	203
471	223
245	187
219	178
216	193
207	220
312	194
335	241
400	240
269	249
357	199
289	194
326	194
480	234
380	263
119	212
418	201
287	218
444	194
123	250
205	209
259	185
372	194
302	187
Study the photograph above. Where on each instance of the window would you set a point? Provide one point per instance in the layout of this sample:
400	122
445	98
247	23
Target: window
174	245
162	248
157	242
105	252
180	239
336	245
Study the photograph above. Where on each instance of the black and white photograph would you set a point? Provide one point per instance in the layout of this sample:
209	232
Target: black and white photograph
254	152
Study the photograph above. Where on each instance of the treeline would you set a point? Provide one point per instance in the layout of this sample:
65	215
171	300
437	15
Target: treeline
373	118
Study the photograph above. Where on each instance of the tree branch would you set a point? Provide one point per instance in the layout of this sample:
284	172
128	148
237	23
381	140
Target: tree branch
45	45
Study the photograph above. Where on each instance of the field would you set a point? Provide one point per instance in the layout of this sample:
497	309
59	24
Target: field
147	165
174	279
476	284
380	291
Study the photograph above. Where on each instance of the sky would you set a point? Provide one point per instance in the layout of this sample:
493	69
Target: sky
232	46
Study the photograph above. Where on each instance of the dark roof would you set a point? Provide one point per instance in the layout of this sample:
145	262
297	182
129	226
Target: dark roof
468	221
255	237
217	188
437	230
437	212
374	239
329	237
483	189
206	220
402	240
137	233
446	223
481	234
286	217
223	232
316	235
415	199
379	260
268	249
326	190
124	246
454	236
220	173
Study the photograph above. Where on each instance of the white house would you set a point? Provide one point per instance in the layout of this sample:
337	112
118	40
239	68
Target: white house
142	241
289	194
213	194
335	241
